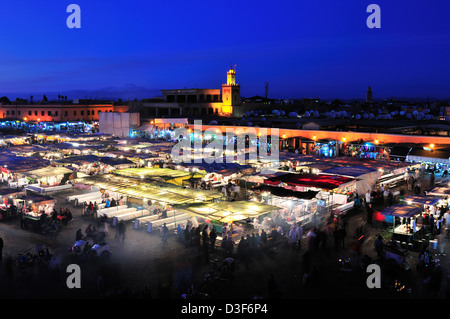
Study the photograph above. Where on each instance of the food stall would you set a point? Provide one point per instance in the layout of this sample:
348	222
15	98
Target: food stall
295	206
13	168
403	220
366	177
86	164
152	196
422	201
7	196
239	213
49	176
173	176
441	190
334	192
33	207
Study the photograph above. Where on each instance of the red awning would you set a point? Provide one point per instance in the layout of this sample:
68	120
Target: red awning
310	180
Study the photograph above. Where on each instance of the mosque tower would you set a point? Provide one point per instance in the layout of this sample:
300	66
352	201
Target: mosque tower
231	92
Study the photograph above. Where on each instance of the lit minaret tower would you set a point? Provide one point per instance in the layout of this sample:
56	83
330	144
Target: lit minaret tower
231	92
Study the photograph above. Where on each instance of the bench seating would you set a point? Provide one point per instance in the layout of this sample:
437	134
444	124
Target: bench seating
152	225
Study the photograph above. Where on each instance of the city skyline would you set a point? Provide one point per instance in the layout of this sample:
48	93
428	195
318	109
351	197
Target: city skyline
315	50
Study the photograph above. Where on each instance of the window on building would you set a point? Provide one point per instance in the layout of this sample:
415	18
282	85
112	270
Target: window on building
42	113
66	113
13	112
56	113
74	112
82	112
29	112
49	113
35	112
7	112
88	112
18	113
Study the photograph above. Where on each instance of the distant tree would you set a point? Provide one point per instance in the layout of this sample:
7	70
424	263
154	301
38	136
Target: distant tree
19	100
4	100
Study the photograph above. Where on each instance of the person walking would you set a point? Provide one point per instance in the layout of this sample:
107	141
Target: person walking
432	180
386	197
311	236
299	235
205	236
418	187
368	197
165	231
441	242
369	209
187	236
293	236
342	233
121	229
78	235
212	238
21	219
379	246
180	233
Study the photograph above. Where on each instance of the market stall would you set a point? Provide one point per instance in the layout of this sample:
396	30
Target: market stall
155	196
423	201
49	176
219	213
439	191
295	207
34	207
7	197
13	168
10	140
116	163
366	177
334	193
86	164
173	176
403	218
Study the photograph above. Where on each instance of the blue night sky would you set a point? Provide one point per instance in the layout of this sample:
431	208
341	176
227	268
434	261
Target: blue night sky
319	48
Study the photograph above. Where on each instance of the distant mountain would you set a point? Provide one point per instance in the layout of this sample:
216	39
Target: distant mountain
127	92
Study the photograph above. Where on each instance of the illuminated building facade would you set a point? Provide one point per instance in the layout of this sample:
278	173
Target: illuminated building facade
57	112
195	102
